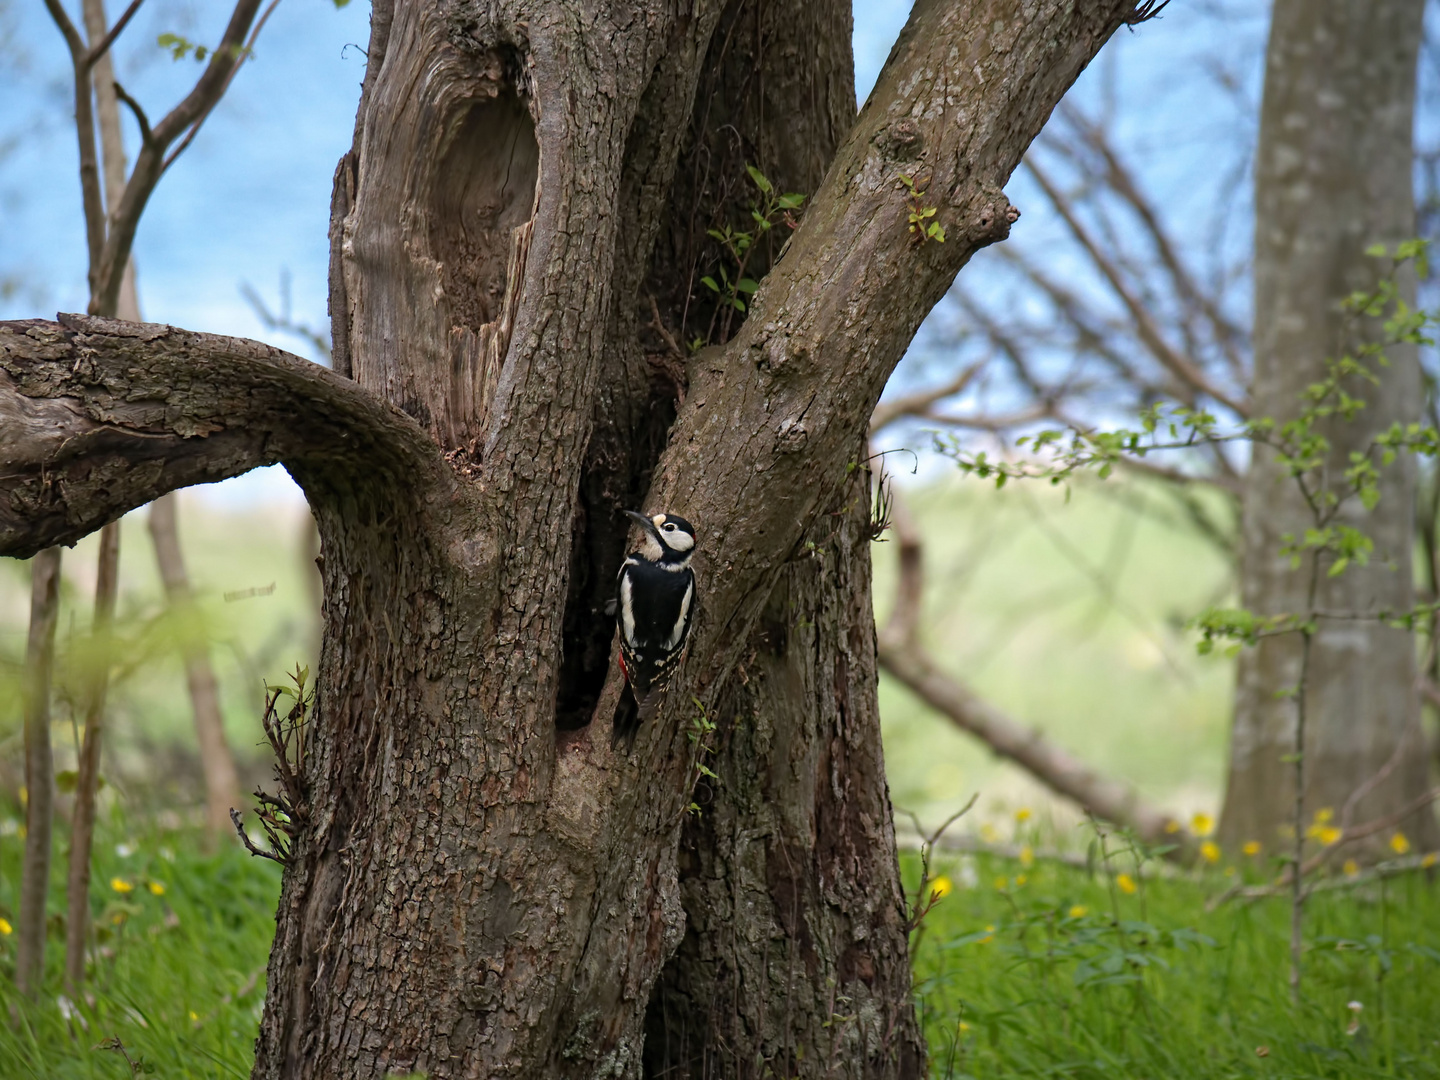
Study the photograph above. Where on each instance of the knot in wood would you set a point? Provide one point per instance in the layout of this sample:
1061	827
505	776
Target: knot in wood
791	436
993	218
900	141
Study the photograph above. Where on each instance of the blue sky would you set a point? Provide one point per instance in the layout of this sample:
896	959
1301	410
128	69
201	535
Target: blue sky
249	200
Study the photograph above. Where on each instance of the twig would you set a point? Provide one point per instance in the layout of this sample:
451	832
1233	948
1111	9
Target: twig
658	325
1180	366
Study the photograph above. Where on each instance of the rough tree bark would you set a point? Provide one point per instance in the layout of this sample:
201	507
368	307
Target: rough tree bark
478	885
1333	176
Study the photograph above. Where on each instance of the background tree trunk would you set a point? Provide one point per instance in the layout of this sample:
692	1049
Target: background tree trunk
87	772
1333	176
222	783
39	770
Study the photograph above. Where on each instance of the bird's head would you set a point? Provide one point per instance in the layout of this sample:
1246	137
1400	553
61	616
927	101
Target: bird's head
668	539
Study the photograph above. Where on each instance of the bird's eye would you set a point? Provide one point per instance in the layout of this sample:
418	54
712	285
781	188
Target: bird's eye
669	528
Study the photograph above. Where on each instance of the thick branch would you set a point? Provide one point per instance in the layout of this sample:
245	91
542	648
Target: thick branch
98	417
774	422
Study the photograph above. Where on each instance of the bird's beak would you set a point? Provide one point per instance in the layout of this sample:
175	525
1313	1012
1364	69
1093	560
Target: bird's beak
644	523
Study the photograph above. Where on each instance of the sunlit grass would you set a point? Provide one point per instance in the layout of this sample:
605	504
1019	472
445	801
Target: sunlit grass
1056	971
182	940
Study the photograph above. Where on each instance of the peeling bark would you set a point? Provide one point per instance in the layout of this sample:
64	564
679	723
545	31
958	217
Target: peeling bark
479	885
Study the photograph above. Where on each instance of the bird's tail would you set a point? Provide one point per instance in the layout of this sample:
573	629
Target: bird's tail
631	714
627	720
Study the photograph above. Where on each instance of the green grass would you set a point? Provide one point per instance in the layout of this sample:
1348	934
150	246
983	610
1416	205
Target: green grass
1061	973
181	975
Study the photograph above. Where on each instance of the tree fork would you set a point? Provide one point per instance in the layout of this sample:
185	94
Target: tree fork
475	894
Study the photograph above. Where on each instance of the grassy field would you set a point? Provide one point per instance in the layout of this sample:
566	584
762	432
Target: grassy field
1038	970
1053	971
1068	613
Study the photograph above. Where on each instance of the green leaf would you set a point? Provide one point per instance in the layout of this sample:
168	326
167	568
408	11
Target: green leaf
709	283
790	201
747	285
66	781
759	179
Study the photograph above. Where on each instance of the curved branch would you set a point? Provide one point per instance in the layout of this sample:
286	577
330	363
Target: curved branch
904	657
98	417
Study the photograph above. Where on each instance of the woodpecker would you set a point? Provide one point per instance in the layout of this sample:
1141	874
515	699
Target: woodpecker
655	603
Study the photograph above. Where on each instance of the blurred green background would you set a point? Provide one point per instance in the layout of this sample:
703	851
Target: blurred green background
1067	609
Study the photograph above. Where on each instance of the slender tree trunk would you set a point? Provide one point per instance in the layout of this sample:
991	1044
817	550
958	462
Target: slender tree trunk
87	779
222	783
39	770
1333	176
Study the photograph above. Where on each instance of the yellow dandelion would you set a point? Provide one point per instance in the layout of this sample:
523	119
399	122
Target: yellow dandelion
1020	880
1251	848
156	888
1126	884
964	1027
1002	883
1399	844
1172	826
989	935
118	918
1202	824
121	886
1429	860
988	833
1351	868
1324	815
1328	834
1027	856
1210	851
1023	814
6	928
941	886
194	1017
1078	911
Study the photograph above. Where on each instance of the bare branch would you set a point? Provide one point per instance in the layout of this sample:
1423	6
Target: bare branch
101	47
90	192
1180	366
918	404
903	656
146	138
838	310
195	127
98	417
150	164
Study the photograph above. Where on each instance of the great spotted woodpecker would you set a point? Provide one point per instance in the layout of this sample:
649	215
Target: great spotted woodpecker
655	604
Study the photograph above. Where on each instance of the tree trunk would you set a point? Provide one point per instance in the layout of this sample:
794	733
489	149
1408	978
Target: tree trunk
477	883
222	783
39	770
87	772
1333	176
